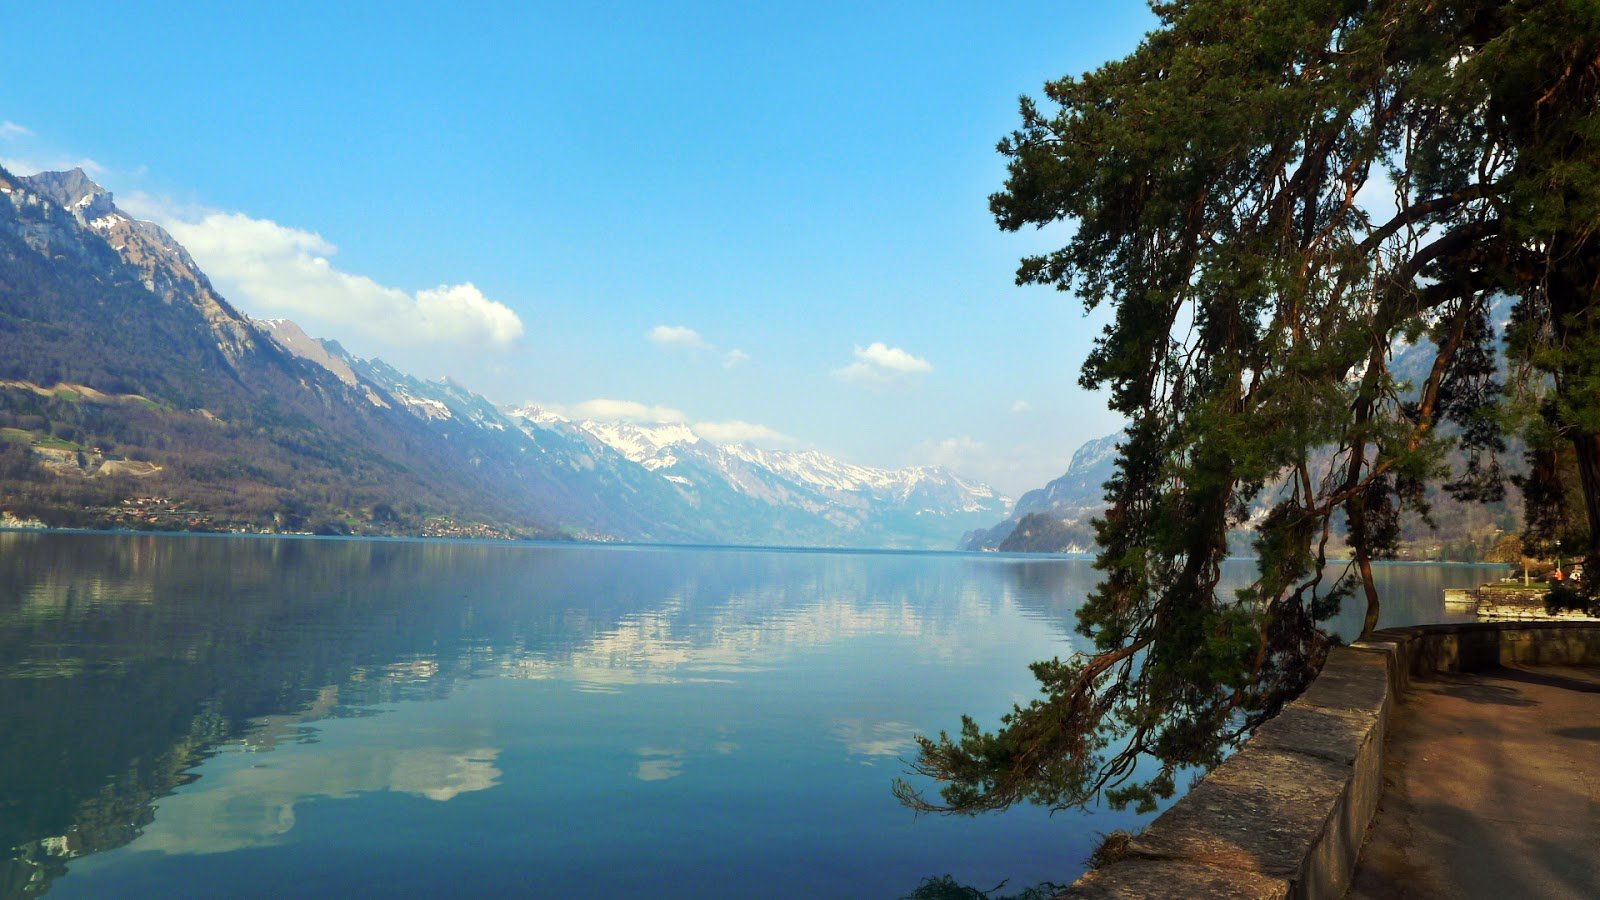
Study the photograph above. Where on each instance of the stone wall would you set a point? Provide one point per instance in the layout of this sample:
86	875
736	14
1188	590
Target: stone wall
1498	603
1286	815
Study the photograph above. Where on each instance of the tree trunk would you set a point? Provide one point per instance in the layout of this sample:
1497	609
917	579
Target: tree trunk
1574	286
1587	445
1370	623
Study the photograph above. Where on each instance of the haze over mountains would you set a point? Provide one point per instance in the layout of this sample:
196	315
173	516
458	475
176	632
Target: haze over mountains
132	394
1055	518
1058	517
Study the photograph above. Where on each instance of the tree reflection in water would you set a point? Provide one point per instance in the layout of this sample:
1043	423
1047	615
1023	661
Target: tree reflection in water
944	887
130	664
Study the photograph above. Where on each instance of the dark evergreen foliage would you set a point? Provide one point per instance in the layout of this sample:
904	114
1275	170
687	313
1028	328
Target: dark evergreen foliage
1224	182
1044	533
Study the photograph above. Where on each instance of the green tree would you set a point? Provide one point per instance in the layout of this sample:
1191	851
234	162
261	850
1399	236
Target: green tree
1271	196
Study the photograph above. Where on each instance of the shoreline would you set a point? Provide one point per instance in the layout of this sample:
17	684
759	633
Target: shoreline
552	542
659	545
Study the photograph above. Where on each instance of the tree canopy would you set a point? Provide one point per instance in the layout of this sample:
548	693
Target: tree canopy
1273	197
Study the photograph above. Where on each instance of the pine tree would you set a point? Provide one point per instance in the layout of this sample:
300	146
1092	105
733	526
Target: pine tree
1271	196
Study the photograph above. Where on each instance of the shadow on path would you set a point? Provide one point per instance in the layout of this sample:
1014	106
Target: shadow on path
1491	789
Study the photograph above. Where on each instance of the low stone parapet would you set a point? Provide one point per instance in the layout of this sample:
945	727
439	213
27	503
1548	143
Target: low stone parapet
1286	815
1499	604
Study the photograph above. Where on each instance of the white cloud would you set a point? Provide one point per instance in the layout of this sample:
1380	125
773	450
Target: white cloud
678	336
1021	406
274	269
733	431
659	763
10	131
878	363
735	358
466	306
625	410
893	359
161	210
737	432
22	166
955	453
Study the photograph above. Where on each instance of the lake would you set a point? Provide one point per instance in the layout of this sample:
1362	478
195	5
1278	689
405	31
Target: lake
285	717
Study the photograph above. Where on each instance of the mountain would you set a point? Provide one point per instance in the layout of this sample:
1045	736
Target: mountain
164	267
1056	518
1040	532
1071	500
133	395
664	482
817	494
1081	488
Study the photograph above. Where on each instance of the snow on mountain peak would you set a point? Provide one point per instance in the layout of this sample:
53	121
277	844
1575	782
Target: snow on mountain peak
537	414
642	443
803	479
821	471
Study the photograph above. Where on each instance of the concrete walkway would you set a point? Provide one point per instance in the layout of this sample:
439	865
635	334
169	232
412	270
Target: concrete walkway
1491	789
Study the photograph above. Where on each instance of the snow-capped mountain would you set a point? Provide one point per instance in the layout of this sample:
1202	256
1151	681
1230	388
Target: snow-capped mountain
650	446
766	495
252	423
662	447
663	482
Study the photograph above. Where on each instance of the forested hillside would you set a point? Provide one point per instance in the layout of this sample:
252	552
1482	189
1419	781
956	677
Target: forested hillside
124	405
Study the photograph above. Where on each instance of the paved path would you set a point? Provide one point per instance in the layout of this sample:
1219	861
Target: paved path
1491	789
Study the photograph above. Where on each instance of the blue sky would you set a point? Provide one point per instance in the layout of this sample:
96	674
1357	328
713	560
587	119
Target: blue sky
567	204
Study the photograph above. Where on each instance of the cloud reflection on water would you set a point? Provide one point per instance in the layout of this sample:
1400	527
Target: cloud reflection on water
140	664
237	808
866	738
659	763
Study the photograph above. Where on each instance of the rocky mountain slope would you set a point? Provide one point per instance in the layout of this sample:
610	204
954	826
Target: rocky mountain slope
132	394
1071	501
664	482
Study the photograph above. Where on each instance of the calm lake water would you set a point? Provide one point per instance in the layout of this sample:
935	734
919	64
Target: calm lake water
281	717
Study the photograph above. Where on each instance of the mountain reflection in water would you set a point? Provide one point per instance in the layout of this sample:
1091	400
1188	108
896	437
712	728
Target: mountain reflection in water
222	700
